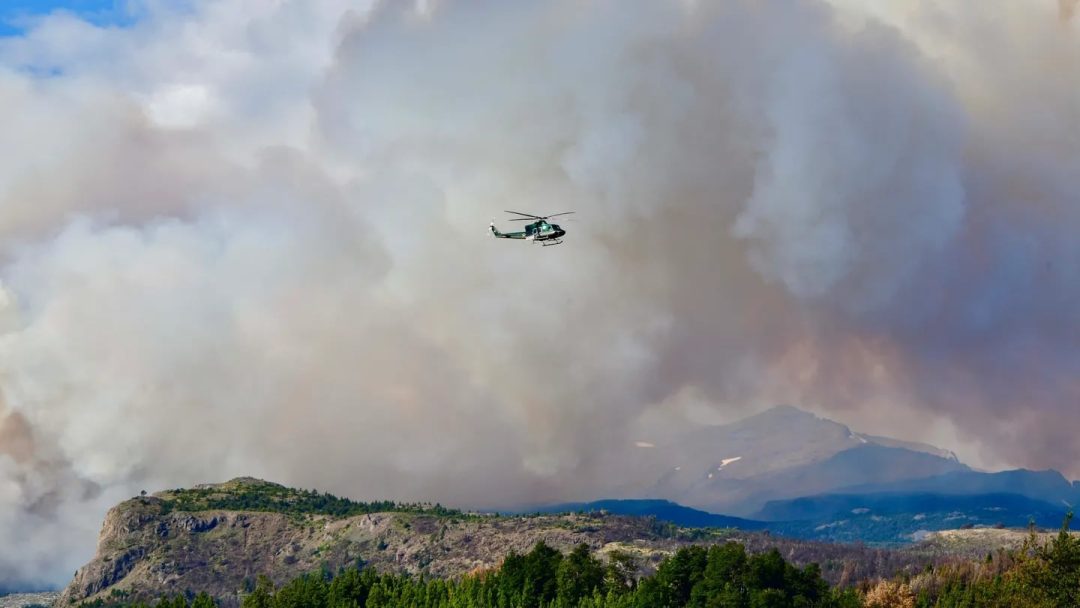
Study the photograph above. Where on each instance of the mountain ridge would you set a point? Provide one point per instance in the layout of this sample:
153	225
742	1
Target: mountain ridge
734	468
151	547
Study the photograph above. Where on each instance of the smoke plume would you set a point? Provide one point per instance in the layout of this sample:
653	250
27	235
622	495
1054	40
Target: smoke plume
1068	9
249	238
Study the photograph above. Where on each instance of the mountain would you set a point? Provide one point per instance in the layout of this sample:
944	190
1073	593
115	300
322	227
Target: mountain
220	538
863	464
783	452
814	478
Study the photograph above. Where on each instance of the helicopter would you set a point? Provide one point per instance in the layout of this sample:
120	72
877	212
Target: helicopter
539	231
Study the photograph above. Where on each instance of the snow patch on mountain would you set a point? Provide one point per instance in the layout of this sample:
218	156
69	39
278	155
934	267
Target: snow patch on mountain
727	461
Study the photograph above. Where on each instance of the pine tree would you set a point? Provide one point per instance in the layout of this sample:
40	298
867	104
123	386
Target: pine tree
578	576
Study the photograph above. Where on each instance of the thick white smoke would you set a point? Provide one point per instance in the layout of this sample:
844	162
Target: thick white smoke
248	238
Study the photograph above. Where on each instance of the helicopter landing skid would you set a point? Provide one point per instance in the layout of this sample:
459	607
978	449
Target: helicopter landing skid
551	243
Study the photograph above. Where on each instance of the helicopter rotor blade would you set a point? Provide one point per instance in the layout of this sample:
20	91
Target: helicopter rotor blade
535	217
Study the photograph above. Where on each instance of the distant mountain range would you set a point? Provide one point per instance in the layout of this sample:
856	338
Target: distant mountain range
797	474
884	518
783	452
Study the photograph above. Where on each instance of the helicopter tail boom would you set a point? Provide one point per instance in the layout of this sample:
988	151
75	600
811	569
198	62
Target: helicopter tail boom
506	235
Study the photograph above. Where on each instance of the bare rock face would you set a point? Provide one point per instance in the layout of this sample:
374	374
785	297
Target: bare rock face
145	549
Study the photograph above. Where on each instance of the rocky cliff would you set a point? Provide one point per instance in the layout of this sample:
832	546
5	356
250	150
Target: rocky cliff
148	548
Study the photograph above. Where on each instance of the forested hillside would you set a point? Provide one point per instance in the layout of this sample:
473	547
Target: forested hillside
250	494
720	575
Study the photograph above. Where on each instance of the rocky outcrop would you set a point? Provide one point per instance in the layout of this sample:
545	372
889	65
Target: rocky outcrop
150	547
148	551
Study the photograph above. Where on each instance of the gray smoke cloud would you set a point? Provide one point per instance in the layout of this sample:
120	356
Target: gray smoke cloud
1067	8
248	238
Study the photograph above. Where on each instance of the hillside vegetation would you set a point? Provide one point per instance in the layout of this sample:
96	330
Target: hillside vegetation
222	544
720	575
1037	575
249	494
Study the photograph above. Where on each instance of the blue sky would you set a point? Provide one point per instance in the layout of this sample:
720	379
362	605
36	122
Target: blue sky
14	12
